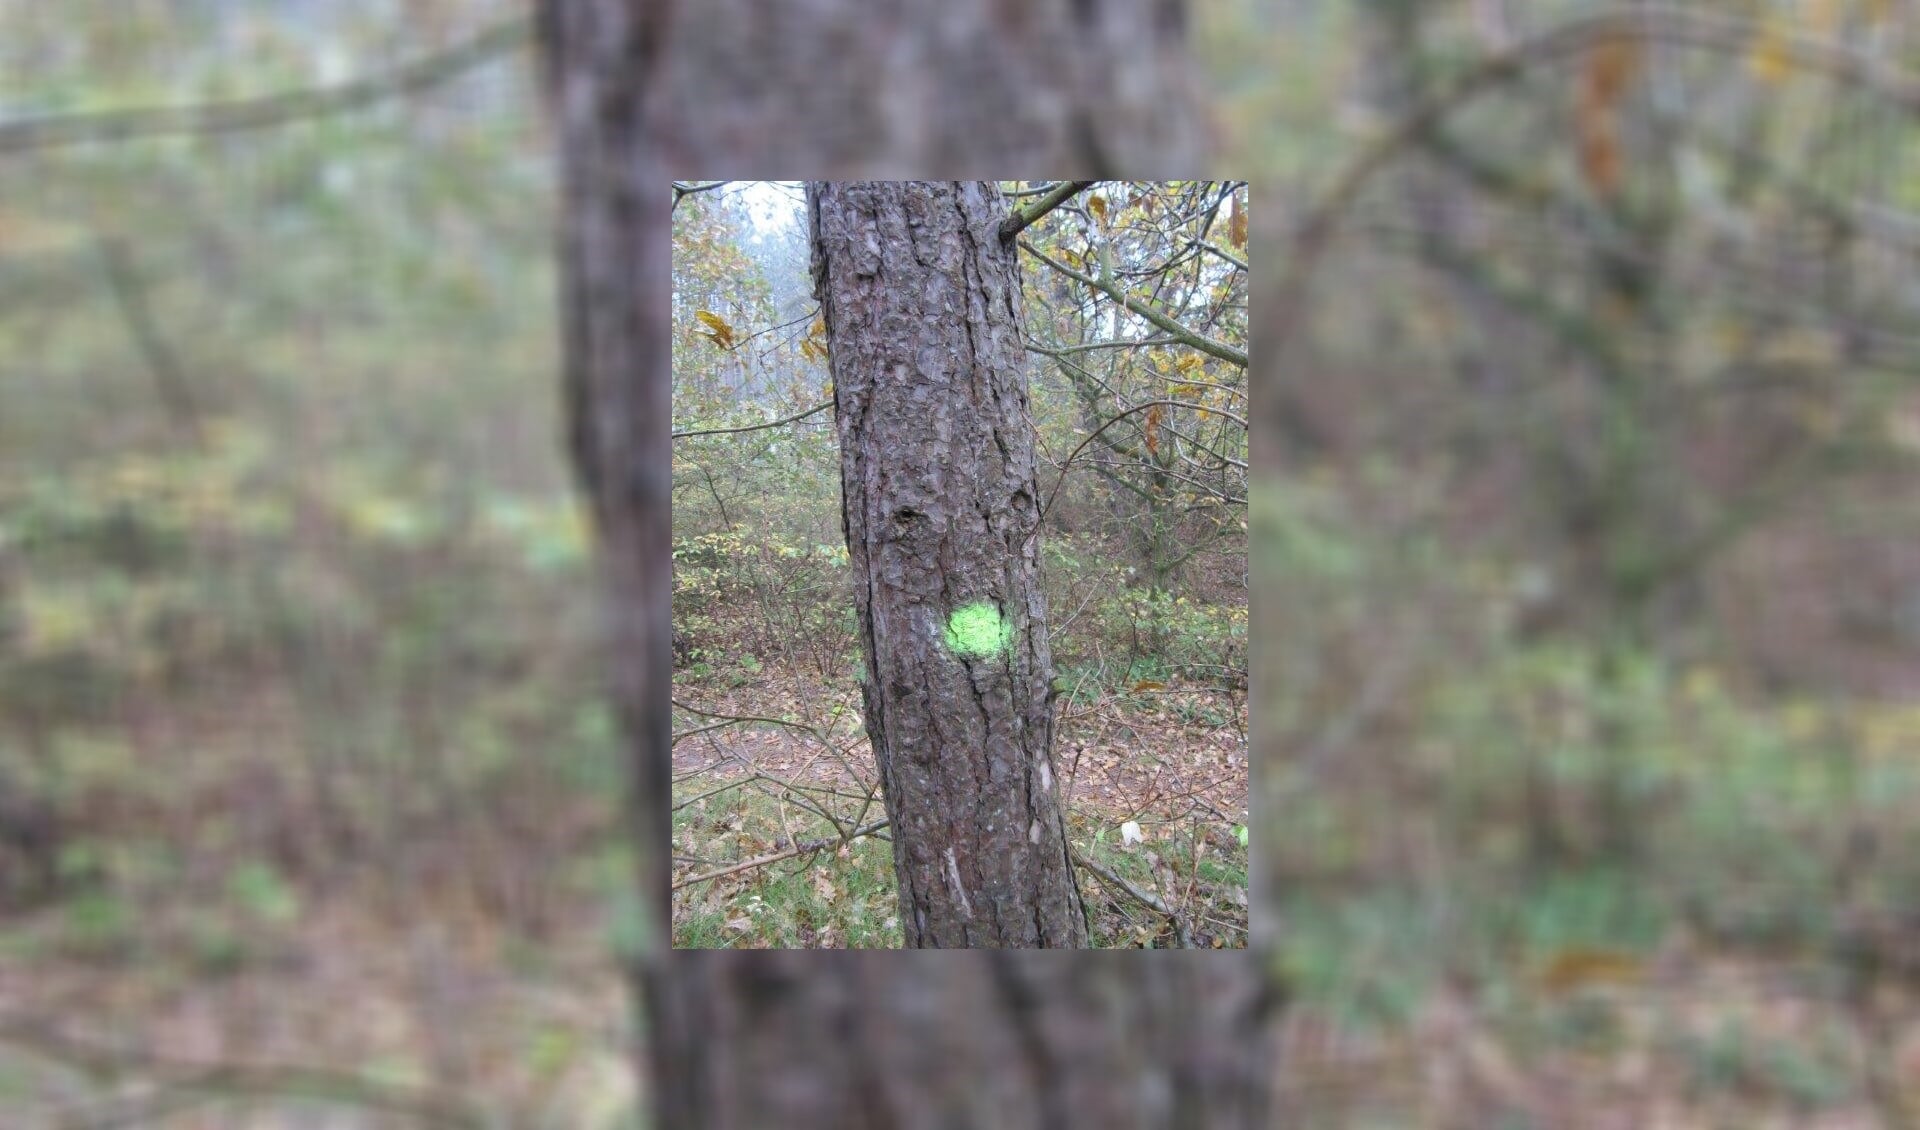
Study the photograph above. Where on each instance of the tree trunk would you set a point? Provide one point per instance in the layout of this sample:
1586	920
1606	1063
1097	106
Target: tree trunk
926	88
616	289
922	306
986	1041
806	1041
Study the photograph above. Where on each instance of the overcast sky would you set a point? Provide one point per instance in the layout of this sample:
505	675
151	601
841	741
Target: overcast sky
771	204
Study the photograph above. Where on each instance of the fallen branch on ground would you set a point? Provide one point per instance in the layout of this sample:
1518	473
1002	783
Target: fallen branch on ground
805	847
1182	936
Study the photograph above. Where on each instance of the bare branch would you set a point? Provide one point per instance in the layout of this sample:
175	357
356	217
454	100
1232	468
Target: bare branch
754	427
1022	217
267	111
806	847
1182	936
682	191
1181	333
169	376
1068	465
1677	26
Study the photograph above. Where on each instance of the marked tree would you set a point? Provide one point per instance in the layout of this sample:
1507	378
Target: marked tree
921	299
1001	1040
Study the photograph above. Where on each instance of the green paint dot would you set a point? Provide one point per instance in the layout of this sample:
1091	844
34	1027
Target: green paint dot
978	629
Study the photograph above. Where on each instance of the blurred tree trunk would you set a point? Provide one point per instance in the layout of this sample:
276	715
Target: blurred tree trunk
750	1040
922	306
926	88
616	291
980	1041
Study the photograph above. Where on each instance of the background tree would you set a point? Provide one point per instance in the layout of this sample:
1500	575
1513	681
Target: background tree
1600	467
740	1014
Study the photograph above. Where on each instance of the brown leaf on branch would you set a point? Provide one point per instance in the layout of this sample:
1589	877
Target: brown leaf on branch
1609	72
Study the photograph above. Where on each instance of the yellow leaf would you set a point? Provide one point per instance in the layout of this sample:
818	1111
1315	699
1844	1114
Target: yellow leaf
1149	685
1769	57
1184	390
1700	685
1098	206
723	332
1577	967
1609	71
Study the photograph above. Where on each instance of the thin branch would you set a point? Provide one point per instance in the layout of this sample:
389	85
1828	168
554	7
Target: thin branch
1017	223
754	427
679	734
682	191
715	791
169	376
1068	465
808	316
806	847
1677	26
741	717
1220	251
1068	350
268	110
1182	936
1185	336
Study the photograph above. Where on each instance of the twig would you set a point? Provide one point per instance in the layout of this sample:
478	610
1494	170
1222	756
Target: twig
169	376
1653	24
754	427
682	191
1181	935
703	729
1021	217
807	847
1074	454
1166	324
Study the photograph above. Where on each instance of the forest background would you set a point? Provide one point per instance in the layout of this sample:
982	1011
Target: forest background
1587	638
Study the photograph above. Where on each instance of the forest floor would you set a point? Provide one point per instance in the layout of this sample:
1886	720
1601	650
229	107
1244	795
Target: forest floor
774	773
1159	754
463	976
232	953
1695	1039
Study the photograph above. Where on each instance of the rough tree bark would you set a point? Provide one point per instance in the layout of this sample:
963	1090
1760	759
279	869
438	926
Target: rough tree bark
818	1041
921	300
